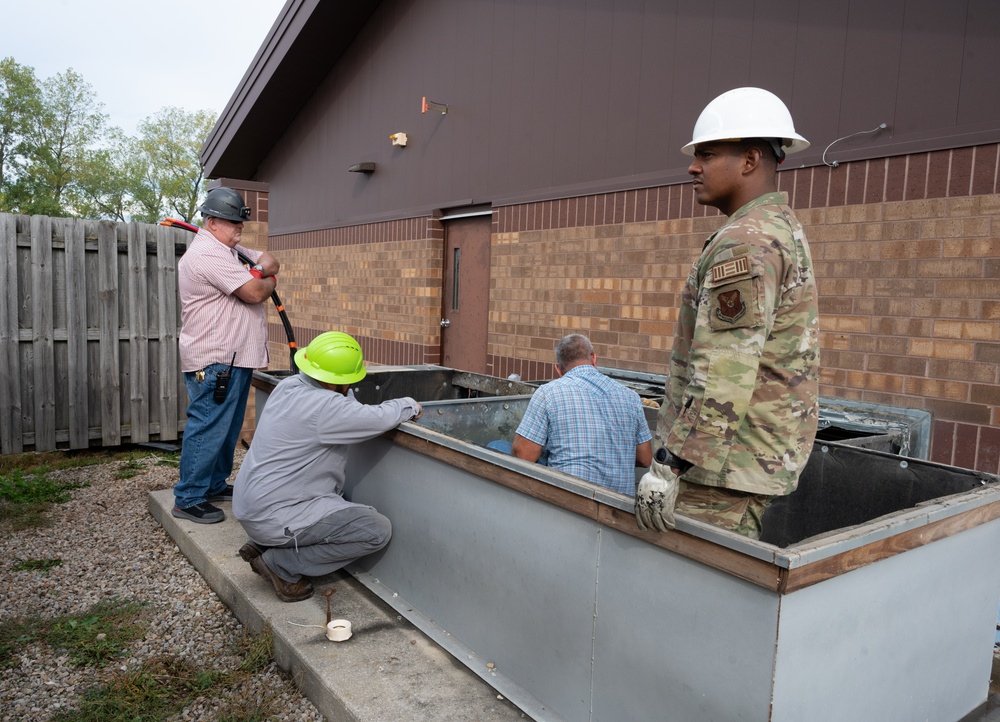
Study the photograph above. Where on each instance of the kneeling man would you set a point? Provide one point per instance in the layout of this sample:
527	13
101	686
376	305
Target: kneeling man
288	492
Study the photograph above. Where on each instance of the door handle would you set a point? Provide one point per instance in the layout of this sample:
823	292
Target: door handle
445	323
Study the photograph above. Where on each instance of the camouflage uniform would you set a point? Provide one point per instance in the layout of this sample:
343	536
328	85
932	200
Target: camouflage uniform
742	395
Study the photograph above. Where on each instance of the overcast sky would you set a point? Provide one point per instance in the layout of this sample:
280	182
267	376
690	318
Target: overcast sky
140	55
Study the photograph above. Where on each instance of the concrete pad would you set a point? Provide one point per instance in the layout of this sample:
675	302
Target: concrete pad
387	670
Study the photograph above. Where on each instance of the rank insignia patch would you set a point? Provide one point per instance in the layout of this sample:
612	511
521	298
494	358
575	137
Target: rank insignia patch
731	306
729	269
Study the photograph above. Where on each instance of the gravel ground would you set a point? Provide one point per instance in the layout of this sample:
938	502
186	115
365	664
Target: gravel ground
110	546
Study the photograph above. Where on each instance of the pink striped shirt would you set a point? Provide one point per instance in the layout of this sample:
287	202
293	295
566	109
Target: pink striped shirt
215	324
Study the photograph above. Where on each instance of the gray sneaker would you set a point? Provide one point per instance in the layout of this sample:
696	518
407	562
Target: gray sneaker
203	513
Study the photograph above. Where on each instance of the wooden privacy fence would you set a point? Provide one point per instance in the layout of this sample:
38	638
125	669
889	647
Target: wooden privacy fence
89	319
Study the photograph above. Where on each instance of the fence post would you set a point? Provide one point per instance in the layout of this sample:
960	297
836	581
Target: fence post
138	339
76	335
107	260
11	441
169	360
42	346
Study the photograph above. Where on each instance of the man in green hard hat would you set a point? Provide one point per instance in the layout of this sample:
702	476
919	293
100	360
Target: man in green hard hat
288	492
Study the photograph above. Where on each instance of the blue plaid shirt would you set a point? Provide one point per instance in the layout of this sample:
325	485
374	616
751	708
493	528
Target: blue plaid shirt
590	425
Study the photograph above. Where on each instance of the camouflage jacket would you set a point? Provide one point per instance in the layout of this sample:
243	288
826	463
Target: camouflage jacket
742	395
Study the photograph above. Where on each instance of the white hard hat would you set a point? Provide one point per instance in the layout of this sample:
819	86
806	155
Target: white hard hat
745	113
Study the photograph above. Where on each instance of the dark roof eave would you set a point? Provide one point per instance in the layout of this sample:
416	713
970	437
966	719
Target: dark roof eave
305	42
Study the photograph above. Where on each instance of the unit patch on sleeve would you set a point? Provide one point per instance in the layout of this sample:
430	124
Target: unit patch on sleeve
731	306
734	305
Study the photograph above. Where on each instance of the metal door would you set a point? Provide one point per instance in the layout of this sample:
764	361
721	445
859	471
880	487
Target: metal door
466	302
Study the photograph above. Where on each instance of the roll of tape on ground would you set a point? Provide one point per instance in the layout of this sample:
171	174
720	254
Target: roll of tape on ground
338	630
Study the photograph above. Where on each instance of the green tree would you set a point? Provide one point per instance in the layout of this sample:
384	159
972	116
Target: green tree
108	178
71	123
20	106
58	158
169	143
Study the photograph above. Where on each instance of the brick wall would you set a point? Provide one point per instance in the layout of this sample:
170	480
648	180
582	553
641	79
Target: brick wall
907	254
381	283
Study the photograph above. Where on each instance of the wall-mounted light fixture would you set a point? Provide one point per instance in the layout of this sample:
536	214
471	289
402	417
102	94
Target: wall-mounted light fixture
398	139
876	129
426	105
362	168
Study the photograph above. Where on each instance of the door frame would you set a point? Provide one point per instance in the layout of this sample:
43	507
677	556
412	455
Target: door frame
465	339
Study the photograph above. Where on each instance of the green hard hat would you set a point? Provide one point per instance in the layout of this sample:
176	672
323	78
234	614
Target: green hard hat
333	357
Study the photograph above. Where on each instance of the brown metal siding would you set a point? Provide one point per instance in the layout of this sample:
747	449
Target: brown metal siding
979	91
555	99
930	57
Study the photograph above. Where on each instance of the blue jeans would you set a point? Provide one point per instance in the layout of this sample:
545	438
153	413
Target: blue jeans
210	434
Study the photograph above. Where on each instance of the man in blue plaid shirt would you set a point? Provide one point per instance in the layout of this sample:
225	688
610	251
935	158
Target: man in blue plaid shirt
590	425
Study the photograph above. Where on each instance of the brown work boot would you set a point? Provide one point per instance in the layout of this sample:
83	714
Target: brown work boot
286	591
250	551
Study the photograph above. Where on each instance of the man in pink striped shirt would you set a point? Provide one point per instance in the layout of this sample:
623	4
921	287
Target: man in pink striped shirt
223	332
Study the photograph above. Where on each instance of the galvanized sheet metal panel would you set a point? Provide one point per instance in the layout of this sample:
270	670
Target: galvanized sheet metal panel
532	571
902	639
500	563
670	629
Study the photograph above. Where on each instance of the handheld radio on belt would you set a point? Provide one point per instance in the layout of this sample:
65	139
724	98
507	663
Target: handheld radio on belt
222	383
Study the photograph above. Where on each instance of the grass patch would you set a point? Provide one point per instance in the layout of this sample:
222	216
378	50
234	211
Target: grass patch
37	565
159	688
257	650
26	497
164	686
99	634
27	492
90	638
129	469
246	710
35	487
46	461
14	634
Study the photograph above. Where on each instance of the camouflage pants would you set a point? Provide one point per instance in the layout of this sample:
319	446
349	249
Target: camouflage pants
737	511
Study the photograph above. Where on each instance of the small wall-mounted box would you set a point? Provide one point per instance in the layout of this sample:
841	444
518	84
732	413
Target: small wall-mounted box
362	168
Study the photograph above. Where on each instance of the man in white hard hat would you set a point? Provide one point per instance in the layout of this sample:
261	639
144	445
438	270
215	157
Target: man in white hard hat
741	401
